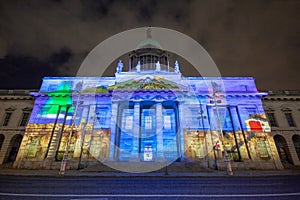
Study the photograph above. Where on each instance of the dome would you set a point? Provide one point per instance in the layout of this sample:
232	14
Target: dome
148	56
148	43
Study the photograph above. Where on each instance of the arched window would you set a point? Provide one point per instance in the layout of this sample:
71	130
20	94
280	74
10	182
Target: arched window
296	141
282	148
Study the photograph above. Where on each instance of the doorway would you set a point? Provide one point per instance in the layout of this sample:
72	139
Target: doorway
13	148
283	151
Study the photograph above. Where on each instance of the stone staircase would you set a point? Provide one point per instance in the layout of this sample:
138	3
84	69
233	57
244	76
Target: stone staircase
136	167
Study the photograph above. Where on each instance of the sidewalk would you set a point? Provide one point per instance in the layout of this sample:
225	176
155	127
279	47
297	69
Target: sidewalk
82	173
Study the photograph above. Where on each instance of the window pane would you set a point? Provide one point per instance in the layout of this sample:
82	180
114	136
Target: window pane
6	119
25	119
167	122
289	119
148	122
129	122
262	148
272	119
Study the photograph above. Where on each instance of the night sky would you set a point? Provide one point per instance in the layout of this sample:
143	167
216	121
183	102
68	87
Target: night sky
244	38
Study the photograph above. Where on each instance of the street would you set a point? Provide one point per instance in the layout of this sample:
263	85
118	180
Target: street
276	187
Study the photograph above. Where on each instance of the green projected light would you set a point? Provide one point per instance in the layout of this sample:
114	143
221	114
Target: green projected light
62	96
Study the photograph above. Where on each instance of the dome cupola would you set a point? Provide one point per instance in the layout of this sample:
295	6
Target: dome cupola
148	56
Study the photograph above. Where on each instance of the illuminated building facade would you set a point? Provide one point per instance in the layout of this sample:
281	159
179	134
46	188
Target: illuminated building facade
150	113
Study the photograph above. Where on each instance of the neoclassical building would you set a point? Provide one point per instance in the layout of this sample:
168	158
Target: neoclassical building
148	114
15	110
283	111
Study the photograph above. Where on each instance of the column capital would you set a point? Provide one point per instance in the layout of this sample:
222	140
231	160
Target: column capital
136	102
158	99
115	100
136	98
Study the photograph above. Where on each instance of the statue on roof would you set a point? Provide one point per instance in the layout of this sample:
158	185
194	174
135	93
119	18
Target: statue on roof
176	67
149	32
120	66
138	66
157	66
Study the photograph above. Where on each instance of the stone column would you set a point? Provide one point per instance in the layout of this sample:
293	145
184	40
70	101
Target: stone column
136	130
159	129
180	127
240	133
113	129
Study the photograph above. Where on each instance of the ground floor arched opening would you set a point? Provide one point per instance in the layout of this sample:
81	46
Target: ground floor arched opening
283	150
13	148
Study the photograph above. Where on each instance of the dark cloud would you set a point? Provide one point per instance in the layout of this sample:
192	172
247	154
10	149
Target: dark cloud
95	9
27	72
60	57
146	10
245	38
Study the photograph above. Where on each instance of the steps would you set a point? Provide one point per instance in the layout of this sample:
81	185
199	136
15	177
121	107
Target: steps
113	166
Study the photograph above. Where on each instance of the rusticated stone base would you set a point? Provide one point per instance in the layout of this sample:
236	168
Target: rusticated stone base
183	165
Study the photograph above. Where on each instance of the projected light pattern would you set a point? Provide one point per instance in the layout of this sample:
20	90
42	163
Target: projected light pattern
142	119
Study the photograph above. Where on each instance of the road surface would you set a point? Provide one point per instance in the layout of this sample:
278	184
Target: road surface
106	188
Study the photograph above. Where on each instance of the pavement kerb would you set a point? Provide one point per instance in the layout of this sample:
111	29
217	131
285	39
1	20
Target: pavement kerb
78	173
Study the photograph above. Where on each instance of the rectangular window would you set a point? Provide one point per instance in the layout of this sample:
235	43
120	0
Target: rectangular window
101	115
24	119
167	122
290	119
262	148
193	118
148	122
6	119
272	119
33	147
129	122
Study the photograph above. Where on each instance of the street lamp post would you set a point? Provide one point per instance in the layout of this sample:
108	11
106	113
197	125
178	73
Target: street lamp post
227	161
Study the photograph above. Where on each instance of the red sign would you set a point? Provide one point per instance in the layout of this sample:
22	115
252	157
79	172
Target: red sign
217	146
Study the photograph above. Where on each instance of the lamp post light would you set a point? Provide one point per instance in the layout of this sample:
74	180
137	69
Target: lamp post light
227	161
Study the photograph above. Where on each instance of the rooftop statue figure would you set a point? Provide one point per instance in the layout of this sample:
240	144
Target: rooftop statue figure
120	66
138	66
157	66
176	67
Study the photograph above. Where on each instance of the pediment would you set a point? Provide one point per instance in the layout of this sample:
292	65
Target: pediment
10	109
27	109
146	82
286	109
269	109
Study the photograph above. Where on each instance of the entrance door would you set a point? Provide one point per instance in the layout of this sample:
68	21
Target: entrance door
147	141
